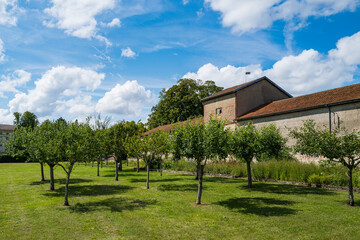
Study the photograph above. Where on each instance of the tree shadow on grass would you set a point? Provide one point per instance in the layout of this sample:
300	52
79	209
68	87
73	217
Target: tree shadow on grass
112	204
179	187
222	180
287	189
89	190
139	180
267	207
62	181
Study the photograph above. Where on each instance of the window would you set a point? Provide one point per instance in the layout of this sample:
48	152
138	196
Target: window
1	148
218	111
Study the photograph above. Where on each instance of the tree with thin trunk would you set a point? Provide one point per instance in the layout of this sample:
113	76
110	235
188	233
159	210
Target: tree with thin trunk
201	143
77	139
50	145
244	146
339	146
132	148
151	148
248	143
18	145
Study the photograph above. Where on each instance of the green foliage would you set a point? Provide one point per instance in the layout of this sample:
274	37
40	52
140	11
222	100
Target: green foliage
329	174
244	144
199	142
264	143
338	145
181	102
27	119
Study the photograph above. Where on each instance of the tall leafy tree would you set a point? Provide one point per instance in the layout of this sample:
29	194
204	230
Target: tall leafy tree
151	148
133	149
338	146
201	143
248	143
27	119
181	102
78	142
47	145
117	135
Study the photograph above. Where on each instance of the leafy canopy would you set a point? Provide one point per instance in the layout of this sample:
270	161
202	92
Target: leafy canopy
181	102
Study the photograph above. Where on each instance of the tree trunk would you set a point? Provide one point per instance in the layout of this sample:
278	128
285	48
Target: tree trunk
85	164
351	193
116	170
92	163
52	187
160	169
197	173
66	202
127	161
137	164
249	174
147	178
200	172
98	169
42	172
120	165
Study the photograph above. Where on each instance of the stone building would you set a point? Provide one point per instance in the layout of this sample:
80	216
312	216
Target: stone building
5	130
262	101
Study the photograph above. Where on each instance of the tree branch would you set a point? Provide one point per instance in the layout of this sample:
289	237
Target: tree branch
63	168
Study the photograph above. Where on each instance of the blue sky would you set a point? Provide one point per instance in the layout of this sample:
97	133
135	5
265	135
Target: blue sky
78	58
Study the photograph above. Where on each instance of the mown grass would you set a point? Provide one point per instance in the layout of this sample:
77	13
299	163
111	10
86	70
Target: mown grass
104	209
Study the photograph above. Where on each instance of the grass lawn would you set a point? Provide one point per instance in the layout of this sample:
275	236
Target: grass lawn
104	209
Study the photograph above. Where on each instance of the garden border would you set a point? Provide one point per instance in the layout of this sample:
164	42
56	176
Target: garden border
330	187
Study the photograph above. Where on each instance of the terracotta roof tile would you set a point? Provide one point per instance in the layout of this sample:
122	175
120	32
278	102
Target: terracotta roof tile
332	96
5	127
170	126
227	90
241	86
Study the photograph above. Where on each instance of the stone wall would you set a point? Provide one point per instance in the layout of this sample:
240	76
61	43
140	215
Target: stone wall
347	114
226	103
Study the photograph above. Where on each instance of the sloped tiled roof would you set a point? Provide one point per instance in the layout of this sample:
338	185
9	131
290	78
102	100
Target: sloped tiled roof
5	127
168	127
241	86
329	97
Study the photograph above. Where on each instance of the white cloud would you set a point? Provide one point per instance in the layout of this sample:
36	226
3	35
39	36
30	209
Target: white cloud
127	52
185	2
126	99
77	18
10	82
2	51
348	49
114	23
8	8
55	88
6	117
307	72
227	76
244	15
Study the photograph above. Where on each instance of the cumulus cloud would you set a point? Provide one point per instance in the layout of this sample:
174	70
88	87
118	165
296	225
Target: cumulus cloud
114	23
10	82
310	71
54	89
127	52
348	49
77	18
8	9
2	51
244	15
227	76
126	99
5	116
